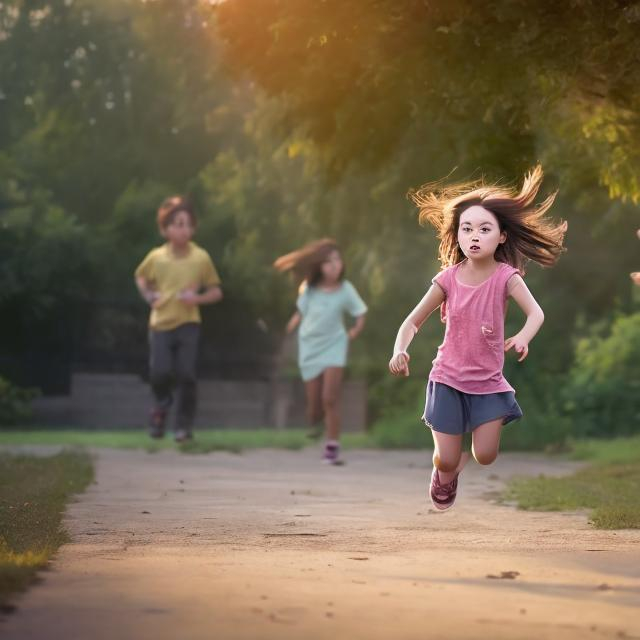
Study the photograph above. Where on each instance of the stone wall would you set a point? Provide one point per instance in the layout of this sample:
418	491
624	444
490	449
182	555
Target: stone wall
118	401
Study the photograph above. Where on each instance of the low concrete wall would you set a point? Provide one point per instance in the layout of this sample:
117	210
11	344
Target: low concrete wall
116	401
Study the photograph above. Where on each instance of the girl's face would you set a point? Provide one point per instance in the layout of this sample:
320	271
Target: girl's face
332	267
479	233
180	230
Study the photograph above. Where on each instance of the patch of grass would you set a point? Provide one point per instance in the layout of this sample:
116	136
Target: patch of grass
211	440
234	440
610	487
33	494
616	451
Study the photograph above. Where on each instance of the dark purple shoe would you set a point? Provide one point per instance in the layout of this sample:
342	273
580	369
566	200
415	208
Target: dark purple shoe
443	495
157	418
332	453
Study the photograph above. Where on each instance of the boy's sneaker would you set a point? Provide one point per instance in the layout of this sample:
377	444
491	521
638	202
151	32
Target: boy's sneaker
332	453
443	495
182	435
157	418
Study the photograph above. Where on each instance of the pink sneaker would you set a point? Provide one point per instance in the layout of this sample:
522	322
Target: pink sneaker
331	453
443	495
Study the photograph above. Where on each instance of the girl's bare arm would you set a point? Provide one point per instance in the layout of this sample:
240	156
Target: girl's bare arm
635	276
358	326
519	291
399	363
294	321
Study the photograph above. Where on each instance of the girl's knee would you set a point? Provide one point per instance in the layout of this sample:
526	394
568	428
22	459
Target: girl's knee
485	457
329	403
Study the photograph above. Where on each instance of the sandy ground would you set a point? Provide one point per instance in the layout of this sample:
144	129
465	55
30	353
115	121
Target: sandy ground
272	544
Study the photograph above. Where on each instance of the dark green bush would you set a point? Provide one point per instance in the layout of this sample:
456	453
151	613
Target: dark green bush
15	403
603	395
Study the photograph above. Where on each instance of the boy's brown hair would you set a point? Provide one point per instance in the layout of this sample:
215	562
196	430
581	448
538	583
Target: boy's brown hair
530	236
306	263
170	207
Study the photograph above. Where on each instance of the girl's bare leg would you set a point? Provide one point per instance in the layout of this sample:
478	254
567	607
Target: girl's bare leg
486	441
447	455
331	391
313	389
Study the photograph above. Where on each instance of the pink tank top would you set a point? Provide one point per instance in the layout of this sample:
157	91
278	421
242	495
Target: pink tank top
471	355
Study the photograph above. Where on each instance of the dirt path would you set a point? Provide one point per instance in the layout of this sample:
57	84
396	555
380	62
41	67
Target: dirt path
273	545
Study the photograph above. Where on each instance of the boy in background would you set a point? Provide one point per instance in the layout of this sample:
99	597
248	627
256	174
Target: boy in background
175	279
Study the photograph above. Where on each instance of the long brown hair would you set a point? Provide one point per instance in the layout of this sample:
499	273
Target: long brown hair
530	236
306	262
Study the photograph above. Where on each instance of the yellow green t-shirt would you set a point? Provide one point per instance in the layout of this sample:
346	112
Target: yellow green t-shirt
169	276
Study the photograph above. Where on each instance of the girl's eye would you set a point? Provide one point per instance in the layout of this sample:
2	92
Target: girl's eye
484	229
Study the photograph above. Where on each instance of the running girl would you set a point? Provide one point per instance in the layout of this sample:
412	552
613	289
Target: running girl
487	234
324	297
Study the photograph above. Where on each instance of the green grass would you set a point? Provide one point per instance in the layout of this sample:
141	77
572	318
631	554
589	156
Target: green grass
234	440
618	450
33	494
609	486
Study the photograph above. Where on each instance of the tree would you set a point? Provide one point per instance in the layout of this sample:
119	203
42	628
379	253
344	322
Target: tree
504	83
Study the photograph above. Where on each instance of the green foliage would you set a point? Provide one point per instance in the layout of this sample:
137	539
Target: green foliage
15	403
367	78
402	429
46	253
614	451
605	380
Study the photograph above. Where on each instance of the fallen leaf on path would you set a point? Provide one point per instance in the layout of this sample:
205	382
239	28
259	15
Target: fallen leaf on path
504	575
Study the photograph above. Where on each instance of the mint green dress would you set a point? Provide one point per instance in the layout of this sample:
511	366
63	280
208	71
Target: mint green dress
322	338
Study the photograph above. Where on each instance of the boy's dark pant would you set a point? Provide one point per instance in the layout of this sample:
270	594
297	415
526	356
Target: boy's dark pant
172	363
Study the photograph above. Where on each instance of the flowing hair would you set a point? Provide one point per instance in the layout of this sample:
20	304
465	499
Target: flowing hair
530	236
306	263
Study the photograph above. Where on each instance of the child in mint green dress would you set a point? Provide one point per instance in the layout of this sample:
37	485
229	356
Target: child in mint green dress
323	341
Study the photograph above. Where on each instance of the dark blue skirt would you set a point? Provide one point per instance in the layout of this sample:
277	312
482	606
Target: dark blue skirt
448	410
